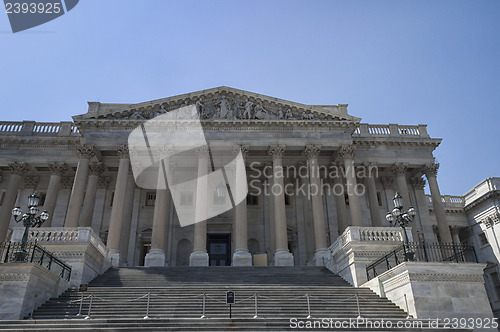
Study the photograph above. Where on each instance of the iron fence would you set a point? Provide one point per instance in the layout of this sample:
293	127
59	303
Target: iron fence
422	252
13	252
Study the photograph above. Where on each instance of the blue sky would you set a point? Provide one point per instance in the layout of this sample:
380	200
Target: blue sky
406	62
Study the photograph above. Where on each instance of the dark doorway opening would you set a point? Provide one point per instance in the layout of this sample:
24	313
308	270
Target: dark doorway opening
219	249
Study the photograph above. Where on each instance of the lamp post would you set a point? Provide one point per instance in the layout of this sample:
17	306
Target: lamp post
401	218
29	219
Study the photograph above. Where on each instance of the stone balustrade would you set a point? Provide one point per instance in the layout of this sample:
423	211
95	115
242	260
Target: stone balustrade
391	130
448	201
32	128
61	235
371	234
487	186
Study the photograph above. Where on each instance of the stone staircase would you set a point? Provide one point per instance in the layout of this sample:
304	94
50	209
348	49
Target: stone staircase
118	300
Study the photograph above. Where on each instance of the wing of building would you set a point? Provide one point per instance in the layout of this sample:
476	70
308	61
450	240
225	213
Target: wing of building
292	214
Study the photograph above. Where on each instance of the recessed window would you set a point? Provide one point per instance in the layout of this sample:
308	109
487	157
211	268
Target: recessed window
186	198
379	198
483	239
150	198
288	199
42	196
252	200
346	198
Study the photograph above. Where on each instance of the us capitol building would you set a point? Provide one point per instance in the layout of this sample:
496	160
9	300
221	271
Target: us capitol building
83	173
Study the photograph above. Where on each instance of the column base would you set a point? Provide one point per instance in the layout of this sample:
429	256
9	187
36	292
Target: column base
321	257
155	257
282	257
114	257
241	257
198	258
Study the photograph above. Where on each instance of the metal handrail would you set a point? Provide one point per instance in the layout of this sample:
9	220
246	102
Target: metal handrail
422	252
14	252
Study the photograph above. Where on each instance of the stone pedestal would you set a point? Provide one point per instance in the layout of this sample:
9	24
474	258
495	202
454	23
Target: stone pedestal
357	247
435	289
79	247
283	258
155	257
198	258
321	257
26	286
242	258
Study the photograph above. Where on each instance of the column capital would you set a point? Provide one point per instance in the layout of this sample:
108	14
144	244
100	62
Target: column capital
417	182
166	151
57	168
86	151
123	152
347	151
244	151
277	151
388	182
18	168
202	151
312	151
30	182
399	168
103	182
431	169
96	168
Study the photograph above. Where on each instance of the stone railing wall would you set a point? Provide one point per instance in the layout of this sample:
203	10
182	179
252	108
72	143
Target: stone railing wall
391	130
486	186
32	128
370	234
61	235
448	201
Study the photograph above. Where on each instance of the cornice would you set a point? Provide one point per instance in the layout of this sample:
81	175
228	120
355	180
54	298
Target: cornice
390	141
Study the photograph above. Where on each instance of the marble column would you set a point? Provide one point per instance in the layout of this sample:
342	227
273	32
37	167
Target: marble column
127	220
418	184
241	256
156	256
95	169
430	171
17	169
199	256
85	153
282	256
399	170
338	192
372	196
347	153
116	220
57	171
321	253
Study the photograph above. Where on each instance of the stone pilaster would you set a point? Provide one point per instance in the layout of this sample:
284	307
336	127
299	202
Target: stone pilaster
57	171
199	256
347	153
241	256
85	153
372	197
17	171
156	256
282	256
455	231
321	253
95	170
417	184
116	220
430	171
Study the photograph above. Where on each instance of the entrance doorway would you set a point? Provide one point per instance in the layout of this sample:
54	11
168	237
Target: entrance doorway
219	249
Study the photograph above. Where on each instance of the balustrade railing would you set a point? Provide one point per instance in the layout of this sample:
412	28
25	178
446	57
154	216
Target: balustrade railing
422	252
32	128
391	130
11	252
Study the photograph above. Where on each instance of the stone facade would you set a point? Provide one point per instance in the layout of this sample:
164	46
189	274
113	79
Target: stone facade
82	171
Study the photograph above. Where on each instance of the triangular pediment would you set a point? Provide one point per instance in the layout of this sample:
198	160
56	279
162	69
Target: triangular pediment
221	103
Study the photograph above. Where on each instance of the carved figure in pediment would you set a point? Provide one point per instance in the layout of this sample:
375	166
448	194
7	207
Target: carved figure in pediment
137	115
289	115
280	115
307	116
247	114
200	107
262	114
224	110
238	110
